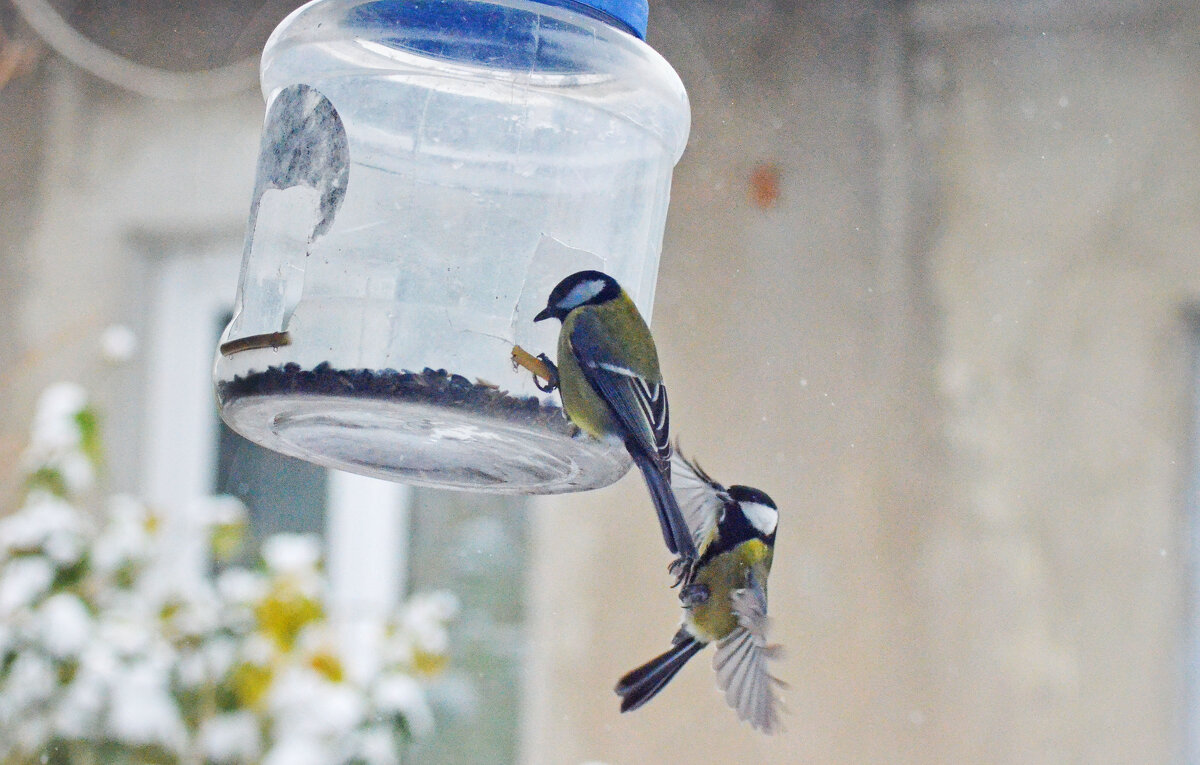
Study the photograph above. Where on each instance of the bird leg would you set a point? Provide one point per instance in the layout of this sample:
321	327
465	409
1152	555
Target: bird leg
694	595
540	366
684	570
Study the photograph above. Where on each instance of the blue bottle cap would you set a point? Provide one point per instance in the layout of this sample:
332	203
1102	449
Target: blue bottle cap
492	34
630	15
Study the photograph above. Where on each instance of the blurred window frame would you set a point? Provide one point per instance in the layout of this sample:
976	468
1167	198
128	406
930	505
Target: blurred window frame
367	520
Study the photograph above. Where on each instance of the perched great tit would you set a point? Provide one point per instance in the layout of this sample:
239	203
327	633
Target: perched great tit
611	388
726	602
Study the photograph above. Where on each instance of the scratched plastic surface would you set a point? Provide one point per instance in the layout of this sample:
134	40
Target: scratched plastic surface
428	172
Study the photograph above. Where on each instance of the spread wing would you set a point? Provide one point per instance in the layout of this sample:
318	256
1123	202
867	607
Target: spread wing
639	405
701	499
741	661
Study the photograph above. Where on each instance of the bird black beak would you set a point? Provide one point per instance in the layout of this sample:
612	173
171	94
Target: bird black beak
544	314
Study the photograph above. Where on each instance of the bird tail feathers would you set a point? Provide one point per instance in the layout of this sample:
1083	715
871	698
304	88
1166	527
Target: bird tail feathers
675	530
642	684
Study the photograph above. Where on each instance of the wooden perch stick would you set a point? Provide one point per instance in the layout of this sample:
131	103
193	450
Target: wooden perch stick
539	368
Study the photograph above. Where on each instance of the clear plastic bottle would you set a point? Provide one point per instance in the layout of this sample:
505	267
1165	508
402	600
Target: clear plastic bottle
430	169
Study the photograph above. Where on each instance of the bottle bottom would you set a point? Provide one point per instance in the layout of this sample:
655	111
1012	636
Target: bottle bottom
427	429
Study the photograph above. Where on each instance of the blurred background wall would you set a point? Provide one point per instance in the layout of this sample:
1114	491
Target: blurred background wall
954	347
928	280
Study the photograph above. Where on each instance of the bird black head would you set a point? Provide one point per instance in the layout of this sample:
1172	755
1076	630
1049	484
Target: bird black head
758	508
580	288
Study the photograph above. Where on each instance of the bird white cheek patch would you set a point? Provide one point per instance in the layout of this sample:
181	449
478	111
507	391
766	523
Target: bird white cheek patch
583	292
763	517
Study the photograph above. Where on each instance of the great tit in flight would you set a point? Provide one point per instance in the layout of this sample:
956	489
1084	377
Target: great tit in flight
726	600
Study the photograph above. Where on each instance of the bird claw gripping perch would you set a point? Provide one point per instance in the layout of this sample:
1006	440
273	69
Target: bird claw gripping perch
540	366
552	379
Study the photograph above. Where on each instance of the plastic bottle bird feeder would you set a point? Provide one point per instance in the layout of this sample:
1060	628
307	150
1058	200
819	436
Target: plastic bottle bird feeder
429	170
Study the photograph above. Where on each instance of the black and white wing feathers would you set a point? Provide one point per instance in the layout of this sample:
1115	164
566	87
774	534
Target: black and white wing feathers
640	407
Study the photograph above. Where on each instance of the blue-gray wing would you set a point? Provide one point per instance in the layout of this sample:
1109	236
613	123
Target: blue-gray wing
741	661
639	406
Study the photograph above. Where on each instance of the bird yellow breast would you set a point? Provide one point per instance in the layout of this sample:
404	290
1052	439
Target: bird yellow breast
729	571
580	402
753	551
621	337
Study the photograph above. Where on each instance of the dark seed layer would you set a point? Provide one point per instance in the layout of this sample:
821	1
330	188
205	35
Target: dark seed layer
436	387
